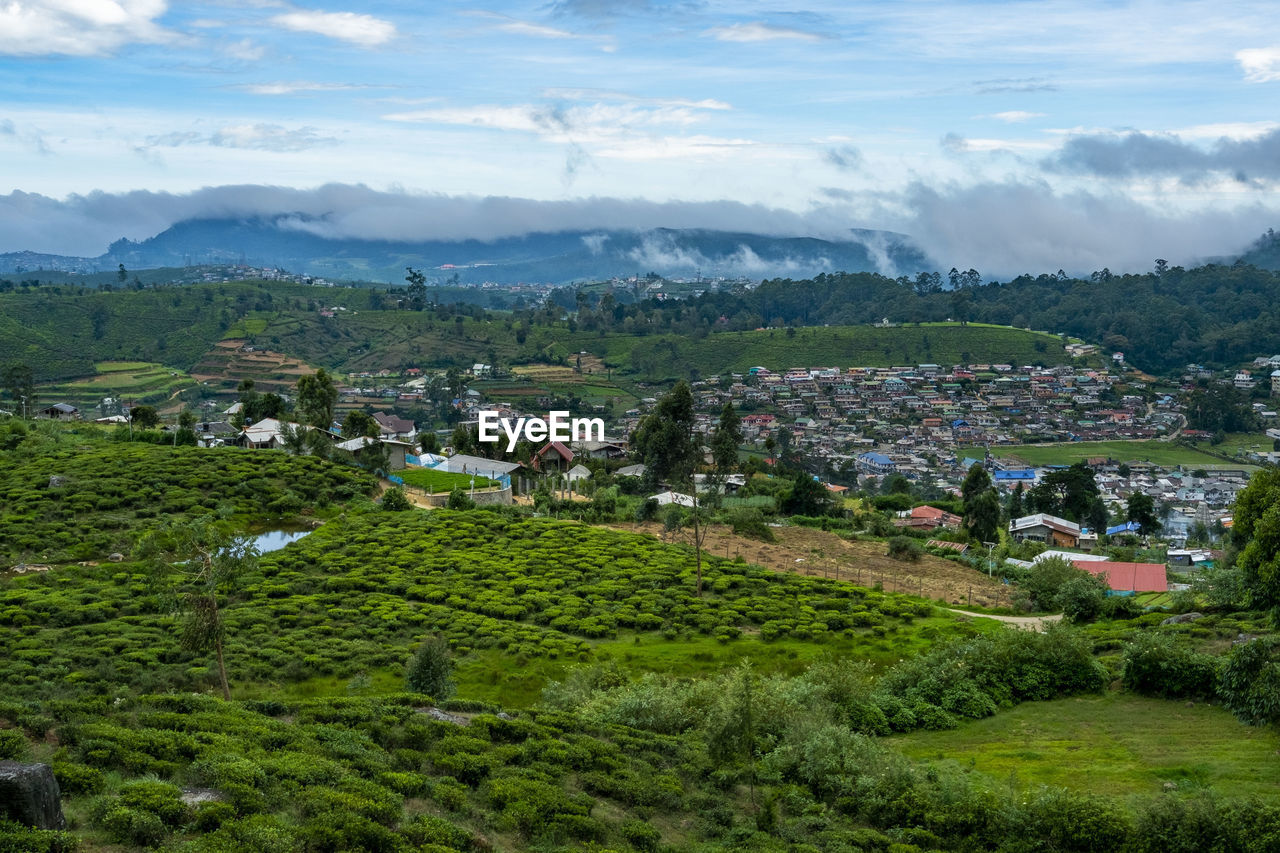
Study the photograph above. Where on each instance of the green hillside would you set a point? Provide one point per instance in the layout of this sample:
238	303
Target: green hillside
63	332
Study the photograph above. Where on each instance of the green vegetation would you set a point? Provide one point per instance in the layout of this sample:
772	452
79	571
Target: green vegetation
139	382
83	499
440	482
1156	452
1114	744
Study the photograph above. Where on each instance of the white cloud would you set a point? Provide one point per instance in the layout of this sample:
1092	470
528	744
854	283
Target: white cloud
580	123
245	50
1015	116
757	32
527	28
1260	64
294	88
79	27
363	30
607	95
257	137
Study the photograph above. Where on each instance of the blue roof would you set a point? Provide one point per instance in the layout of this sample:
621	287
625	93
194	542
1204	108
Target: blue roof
1127	527
969	462
1020	474
878	458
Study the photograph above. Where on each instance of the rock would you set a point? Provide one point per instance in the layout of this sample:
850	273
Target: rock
503	715
437	714
55	481
196	796
29	795
116	557
1183	618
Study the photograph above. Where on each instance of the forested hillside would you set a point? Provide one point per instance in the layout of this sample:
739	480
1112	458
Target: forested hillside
1215	315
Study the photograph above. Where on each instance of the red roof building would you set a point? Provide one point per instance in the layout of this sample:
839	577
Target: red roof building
1127	577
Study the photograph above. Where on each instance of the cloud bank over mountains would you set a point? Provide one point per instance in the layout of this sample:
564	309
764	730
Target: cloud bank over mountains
1000	228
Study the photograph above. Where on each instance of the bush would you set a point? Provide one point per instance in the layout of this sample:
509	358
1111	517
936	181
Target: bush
458	499
393	500
1156	665
1080	598
905	548
1250	682
13	745
640	835
751	523
431	669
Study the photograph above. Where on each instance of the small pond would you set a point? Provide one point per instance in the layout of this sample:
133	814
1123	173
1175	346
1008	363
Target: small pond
274	540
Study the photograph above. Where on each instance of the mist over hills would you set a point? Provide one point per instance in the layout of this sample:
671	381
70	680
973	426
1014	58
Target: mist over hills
291	242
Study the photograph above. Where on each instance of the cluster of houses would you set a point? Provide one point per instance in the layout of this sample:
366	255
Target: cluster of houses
903	419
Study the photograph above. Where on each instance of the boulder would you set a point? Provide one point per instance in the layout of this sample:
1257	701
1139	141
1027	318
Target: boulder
29	795
116	557
1183	618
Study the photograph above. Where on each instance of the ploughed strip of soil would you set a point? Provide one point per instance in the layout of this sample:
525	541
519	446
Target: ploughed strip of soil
819	553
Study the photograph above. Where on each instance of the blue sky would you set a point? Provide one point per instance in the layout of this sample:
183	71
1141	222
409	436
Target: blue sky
1010	136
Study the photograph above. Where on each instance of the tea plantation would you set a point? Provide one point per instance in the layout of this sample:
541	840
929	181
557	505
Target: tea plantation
592	713
67	496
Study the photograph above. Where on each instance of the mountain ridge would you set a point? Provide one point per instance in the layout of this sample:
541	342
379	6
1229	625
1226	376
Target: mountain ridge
294	242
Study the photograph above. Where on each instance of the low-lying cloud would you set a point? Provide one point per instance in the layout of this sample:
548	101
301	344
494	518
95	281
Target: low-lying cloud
1000	229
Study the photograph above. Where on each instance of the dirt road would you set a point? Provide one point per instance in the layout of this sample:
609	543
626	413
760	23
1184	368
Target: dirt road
1026	623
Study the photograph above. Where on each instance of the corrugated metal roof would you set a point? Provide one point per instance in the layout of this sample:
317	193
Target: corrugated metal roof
1123	577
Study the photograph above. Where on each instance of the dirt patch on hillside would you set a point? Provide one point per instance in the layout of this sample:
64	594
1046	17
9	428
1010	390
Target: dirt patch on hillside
227	363
818	553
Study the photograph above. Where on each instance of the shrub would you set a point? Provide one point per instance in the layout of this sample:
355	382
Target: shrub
458	499
1080	598
750	523
393	500
905	548
431	669
13	744
77	778
1156	665
1250	682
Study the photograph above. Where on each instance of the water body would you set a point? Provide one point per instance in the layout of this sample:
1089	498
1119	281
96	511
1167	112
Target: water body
274	540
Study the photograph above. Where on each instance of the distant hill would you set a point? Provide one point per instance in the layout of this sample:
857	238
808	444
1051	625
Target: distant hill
290	242
1265	252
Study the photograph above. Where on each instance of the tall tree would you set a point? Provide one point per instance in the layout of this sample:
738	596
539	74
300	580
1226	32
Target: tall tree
982	516
1015	502
726	440
1255	536
976	481
317	397
666	443
358	423
197	568
1142	509
21	385
1069	493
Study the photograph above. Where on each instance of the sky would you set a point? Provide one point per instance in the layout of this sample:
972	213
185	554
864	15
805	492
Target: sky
1011	137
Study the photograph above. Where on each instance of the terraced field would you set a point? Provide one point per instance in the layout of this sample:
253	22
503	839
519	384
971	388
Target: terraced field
227	364
131	382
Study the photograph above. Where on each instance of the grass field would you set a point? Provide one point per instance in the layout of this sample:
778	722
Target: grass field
440	481
1240	443
1115	744
1157	452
